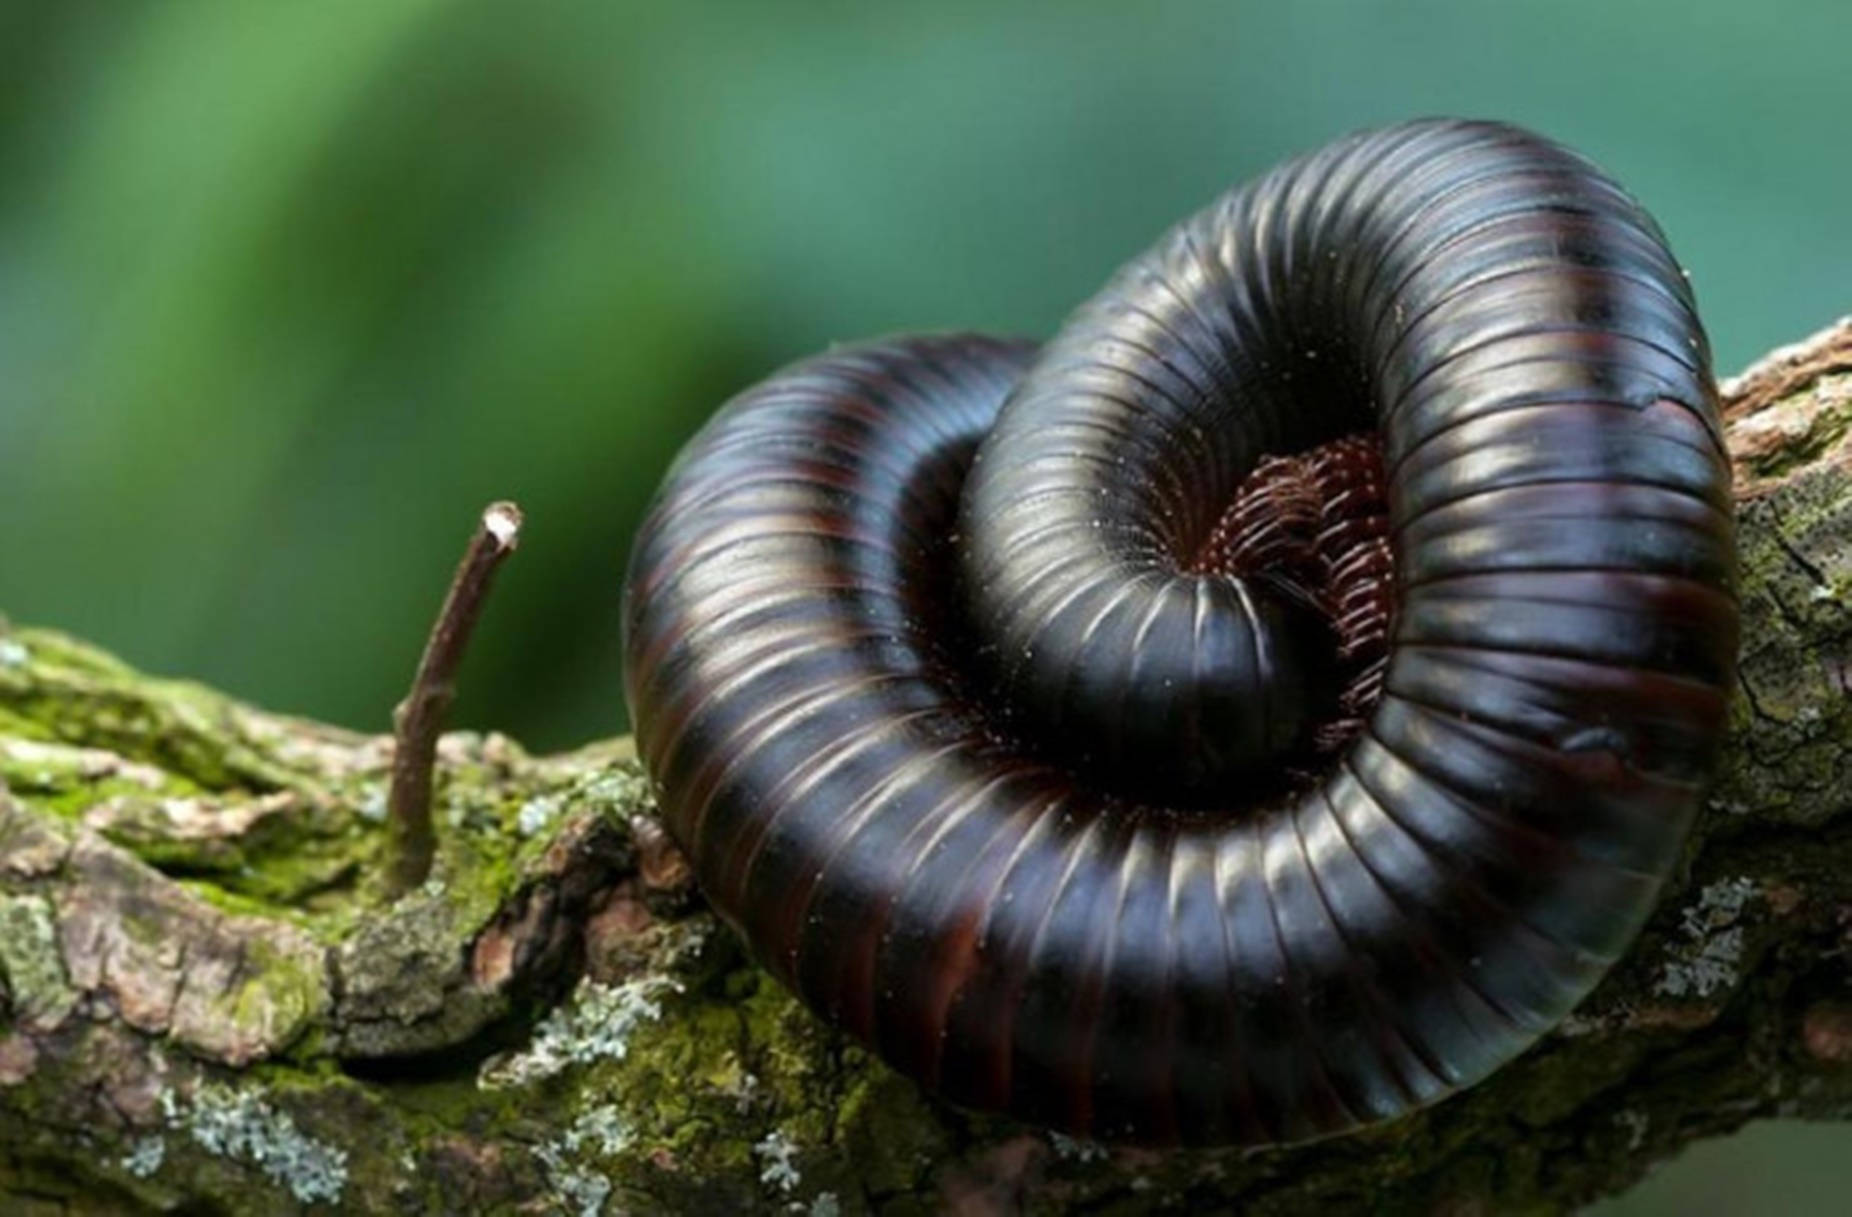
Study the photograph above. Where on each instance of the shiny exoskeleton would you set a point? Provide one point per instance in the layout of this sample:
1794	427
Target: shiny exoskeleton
963	741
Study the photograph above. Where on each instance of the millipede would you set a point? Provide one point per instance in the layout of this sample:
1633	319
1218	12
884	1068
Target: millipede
1260	711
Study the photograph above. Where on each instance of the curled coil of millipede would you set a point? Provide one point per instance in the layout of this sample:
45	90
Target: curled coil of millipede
1262	710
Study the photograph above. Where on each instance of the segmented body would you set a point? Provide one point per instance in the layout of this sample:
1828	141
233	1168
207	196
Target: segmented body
964	734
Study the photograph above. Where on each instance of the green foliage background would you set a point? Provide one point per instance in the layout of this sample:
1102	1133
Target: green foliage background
289	290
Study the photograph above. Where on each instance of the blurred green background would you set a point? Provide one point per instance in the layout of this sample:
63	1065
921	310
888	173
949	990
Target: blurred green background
288	291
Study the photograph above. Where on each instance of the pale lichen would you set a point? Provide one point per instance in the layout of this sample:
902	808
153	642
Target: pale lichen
601	1128
1710	959
242	1126
145	1157
372	807
595	1025
14	653
1719	904
1075	1149
777	1166
618	788
536	815
738	1084
1636	1125
583	1192
582	1189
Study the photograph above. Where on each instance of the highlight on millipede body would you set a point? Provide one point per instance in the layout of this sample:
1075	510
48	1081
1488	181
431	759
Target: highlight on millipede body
1261	711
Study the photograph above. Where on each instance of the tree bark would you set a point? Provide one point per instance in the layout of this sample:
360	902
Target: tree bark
207	1004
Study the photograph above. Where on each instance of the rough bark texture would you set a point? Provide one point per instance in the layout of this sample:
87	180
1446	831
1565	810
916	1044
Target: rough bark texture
206	1006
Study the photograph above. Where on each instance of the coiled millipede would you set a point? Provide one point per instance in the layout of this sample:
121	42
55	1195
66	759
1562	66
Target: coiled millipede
1020	754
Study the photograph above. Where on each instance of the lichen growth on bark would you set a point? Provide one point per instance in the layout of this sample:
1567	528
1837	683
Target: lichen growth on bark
1710	958
240	1125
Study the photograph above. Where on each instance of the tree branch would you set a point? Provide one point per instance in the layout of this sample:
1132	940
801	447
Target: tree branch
200	1007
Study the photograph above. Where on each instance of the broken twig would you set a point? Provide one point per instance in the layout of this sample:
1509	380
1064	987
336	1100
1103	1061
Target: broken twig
411	840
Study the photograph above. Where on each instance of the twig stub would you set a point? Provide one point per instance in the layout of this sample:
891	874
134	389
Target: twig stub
411	841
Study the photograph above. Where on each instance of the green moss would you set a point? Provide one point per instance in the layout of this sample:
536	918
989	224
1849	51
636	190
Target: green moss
69	691
62	790
477	870
145	741
282	997
236	903
38	990
886	1126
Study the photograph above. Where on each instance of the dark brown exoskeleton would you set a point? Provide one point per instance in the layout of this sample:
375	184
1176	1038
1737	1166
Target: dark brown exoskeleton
966	735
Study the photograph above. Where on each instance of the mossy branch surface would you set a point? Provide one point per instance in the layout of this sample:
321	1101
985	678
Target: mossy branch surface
205	1006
